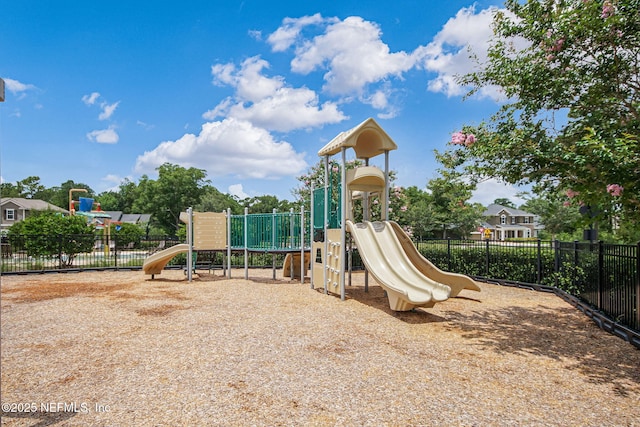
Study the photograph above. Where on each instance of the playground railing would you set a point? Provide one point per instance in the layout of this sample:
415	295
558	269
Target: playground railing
272	232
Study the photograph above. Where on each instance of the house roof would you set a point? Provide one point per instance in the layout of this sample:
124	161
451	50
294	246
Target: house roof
494	210
130	218
31	204
118	216
115	215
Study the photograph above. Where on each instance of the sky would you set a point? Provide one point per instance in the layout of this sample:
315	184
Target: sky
249	91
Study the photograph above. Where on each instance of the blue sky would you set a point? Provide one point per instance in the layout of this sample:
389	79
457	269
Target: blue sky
248	90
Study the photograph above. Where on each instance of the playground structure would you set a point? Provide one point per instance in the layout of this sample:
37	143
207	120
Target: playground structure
274	233
386	250
388	254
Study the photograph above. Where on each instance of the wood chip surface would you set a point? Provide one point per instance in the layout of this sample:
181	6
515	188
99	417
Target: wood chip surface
118	349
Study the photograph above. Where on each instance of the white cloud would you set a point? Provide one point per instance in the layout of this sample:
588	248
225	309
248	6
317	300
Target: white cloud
107	110
228	147
91	99
16	87
145	126
491	189
281	39
450	53
351	54
104	136
267	102
237	191
354	55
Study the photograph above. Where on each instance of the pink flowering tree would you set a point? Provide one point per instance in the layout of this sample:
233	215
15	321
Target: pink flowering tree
571	119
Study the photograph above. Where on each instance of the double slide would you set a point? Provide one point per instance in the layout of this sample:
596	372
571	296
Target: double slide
409	279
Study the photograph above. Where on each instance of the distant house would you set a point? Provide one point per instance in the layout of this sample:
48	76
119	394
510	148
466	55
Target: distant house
14	209
502	222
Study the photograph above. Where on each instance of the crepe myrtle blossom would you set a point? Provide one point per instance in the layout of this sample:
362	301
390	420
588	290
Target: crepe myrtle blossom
614	189
607	10
571	193
460	138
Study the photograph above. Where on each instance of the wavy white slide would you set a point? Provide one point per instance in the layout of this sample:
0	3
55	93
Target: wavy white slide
386	260
457	282
155	263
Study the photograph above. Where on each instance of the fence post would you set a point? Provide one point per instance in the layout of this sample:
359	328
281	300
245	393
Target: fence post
115	248
556	261
448	254
486	258
246	249
600	274
575	264
59	251
539	266
637	326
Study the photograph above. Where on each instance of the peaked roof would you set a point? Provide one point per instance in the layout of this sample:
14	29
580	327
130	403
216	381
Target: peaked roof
31	204
368	140
494	209
115	215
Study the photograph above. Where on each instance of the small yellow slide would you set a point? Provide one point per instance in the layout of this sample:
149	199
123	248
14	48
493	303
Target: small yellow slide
155	263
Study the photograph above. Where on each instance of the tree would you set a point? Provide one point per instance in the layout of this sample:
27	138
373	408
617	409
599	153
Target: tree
450	207
59	196
49	234
123	199
266	204
214	201
415	213
28	188
32	187
8	189
176	189
572	118
556	216
126	234
109	201
503	201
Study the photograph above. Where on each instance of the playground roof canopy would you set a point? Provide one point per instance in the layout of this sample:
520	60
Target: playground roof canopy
367	139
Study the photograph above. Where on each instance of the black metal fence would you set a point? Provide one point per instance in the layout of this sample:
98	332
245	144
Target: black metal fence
44	253
602	279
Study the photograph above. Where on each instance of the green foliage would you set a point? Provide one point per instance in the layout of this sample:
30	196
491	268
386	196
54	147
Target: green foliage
266	204
59	196
450	210
514	264
503	201
126	235
49	234
214	201
108	201
569	71
556	216
176	189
